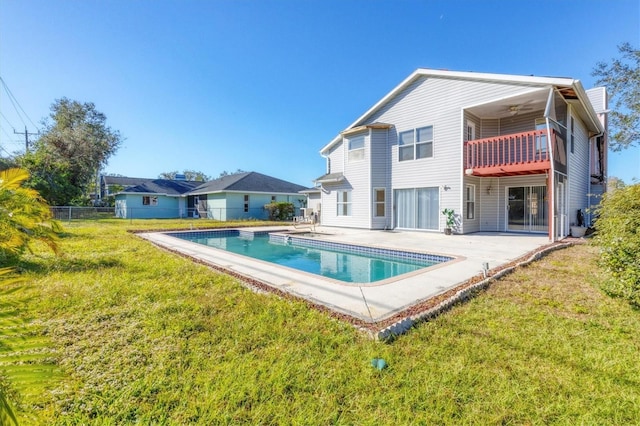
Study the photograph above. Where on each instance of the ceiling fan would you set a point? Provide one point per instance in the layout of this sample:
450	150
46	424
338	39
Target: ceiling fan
518	108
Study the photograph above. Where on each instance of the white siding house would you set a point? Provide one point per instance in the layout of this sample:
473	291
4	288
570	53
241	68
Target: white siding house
505	152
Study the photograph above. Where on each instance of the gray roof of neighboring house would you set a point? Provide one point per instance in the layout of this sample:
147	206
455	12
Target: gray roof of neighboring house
124	180
163	186
248	182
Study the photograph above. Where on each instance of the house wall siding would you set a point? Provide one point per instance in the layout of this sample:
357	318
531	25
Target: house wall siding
521	122
380	177
358	175
167	207
489	128
438	103
216	206
578	170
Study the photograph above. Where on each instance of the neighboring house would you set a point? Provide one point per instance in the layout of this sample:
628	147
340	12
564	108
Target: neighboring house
505	152
238	196
242	196
154	199
110	185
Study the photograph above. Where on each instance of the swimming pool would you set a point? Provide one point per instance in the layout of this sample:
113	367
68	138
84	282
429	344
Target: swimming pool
344	262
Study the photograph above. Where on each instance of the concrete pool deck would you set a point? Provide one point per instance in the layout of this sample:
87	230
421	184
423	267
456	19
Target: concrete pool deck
372	303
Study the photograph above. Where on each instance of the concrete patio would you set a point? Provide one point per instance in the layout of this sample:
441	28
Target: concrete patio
372	303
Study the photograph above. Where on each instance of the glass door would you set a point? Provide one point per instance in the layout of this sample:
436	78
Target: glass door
527	209
417	208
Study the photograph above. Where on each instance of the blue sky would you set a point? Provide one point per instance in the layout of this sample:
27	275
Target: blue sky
263	85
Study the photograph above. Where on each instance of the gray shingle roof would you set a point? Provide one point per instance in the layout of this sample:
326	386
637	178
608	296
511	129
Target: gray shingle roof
164	186
124	180
248	182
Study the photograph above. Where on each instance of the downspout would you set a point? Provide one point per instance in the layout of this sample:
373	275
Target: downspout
389	219
370	195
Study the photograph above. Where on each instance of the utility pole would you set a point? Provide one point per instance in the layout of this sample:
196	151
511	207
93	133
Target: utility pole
26	137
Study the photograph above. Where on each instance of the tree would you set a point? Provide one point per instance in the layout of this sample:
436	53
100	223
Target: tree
24	216
190	175
622	79
280	210
75	145
226	173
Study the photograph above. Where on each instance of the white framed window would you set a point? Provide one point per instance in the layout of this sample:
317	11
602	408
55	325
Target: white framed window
415	144
470	200
149	201
273	198
356	148
379	202
541	141
246	203
572	140
471	130
344	203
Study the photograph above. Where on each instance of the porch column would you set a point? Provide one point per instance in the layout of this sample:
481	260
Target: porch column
550	205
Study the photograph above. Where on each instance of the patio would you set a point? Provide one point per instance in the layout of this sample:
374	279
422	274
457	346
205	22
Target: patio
372	304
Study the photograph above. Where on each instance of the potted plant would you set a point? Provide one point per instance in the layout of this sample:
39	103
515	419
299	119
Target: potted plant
450	214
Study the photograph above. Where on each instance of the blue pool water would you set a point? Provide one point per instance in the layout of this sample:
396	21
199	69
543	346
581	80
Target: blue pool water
344	262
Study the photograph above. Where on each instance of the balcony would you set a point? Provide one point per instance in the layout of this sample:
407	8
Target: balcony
508	155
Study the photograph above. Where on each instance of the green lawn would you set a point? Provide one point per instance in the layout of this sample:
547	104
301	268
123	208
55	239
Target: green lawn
116	331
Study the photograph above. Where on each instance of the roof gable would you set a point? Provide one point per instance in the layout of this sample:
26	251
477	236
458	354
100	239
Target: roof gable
248	182
532	81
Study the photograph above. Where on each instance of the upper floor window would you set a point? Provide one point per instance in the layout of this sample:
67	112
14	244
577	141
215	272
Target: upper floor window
471	130
356	148
415	144
541	141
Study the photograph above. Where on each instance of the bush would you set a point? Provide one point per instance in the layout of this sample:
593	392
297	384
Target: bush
618	234
280	210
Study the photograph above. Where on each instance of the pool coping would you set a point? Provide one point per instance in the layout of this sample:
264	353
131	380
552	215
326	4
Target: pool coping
450	258
369	307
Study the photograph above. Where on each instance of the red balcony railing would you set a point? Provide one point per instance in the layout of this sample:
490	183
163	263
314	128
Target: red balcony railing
514	154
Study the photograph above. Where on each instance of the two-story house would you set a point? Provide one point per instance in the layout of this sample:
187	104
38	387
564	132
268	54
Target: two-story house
505	152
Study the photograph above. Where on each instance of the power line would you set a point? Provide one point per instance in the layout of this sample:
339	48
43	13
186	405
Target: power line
14	101
7	120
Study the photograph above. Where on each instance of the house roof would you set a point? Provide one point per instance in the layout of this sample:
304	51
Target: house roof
572	85
330	178
124	180
163	187
248	182
314	190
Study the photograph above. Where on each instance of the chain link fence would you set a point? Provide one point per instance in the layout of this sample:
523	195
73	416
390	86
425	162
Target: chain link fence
69	213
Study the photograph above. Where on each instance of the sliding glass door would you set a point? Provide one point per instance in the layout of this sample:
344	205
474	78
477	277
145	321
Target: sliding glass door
527	209
417	208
